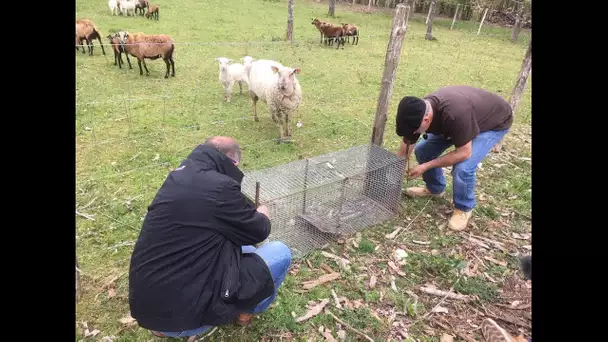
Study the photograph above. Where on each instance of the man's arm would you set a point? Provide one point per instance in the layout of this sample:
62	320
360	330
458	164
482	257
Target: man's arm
404	151
244	225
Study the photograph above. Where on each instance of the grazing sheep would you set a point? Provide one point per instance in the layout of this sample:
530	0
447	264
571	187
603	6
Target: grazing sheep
148	46
229	74
118	51
128	5
86	30
152	11
277	86
351	30
113	4
140	6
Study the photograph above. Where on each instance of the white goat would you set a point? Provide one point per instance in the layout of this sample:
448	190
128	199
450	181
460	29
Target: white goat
277	86
127	5
229	74
113	4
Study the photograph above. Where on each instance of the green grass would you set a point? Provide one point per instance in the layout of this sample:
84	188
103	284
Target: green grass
131	130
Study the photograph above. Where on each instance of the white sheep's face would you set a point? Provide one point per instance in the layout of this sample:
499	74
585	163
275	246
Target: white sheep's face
247	60
224	62
286	79
122	37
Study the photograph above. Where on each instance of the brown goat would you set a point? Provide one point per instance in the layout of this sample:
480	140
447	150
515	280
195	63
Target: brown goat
152	11
87	31
351	30
141	6
333	33
318	23
118	51
148	46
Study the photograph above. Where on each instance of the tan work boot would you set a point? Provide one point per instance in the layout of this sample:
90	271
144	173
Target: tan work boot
244	319
421	192
459	219
492	332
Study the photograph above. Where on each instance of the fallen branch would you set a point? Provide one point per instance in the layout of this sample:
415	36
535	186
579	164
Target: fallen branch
88	205
336	299
87	216
442	299
347	326
509	320
394	233
440	293
461	335
335	257
307	285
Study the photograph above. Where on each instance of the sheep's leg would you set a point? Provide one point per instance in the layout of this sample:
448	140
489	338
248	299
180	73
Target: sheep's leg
141	72
129	61
228	92
172	67
168	67
241	87
101	45
143	60
254	99
90	46
115	57
120	62
287	125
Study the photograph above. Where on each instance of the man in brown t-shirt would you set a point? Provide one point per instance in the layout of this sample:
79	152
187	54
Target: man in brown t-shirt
471	119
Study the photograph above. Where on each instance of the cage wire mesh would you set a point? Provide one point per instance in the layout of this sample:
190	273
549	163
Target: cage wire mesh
317	200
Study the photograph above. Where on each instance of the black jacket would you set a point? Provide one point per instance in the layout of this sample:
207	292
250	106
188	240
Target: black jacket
187	269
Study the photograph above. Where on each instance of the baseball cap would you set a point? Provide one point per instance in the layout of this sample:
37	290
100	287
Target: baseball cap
410	113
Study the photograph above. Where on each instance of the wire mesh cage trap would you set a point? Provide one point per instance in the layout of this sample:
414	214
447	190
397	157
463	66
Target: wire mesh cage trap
317	200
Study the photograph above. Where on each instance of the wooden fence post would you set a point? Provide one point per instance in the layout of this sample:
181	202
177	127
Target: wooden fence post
482	20
520	86
289	35
455	14
429	22
391	61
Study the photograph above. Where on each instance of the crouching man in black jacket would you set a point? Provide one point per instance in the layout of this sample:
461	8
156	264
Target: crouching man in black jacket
193	266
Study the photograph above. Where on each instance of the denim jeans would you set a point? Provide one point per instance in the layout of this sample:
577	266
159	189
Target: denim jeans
278	258
463	173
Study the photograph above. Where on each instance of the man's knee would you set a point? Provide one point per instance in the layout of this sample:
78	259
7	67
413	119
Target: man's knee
280	250
464	171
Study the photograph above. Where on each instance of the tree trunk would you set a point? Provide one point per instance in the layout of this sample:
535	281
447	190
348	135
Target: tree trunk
429	24
289	35
332	7
520	86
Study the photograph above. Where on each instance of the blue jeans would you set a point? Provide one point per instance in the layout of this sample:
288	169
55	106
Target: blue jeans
463	173
278	258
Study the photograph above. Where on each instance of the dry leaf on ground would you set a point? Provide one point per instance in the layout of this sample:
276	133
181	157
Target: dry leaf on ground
372	281
446	338
440	309
307	285
111	290
127	320
313	310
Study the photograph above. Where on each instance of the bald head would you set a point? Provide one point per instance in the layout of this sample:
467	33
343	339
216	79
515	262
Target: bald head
227	145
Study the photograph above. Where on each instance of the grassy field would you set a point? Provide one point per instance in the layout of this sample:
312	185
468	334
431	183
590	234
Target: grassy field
132	129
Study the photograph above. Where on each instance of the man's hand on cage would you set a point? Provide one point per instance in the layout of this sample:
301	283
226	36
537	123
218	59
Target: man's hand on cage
417	171
264	210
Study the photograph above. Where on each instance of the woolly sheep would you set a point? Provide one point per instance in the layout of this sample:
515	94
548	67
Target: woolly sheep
150	46
87	31
332	33
128	5
277	86
229	74
113	4
152	11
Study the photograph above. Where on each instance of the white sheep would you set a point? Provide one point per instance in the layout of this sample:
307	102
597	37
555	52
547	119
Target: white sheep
113	4
277	86
229	74
247	60
128	5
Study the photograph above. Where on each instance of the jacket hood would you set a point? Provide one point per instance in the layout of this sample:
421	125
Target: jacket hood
209	158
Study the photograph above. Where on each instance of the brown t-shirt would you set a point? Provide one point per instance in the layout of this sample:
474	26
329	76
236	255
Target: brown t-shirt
462	112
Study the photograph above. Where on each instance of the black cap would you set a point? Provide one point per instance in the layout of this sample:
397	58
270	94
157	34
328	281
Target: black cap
409	117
